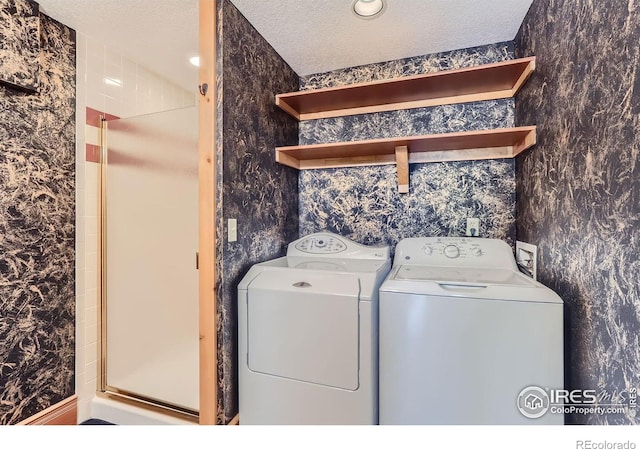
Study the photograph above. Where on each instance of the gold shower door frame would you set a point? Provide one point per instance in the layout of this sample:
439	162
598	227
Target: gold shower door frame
208	375
153	159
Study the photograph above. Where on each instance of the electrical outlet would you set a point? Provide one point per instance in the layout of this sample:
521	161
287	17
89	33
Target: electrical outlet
232	230
473	227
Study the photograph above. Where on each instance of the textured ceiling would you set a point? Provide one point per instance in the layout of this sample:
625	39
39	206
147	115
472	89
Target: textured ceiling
320	35
311	35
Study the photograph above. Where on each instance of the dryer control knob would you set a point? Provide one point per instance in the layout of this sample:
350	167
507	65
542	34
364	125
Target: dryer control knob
428	250
476	251
451	251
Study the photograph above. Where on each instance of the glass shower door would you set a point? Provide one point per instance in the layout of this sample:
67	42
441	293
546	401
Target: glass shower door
149	262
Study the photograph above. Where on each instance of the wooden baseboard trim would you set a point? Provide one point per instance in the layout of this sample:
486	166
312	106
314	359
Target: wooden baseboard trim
234	421
64	413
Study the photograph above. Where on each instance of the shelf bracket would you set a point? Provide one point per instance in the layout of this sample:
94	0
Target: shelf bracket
402	165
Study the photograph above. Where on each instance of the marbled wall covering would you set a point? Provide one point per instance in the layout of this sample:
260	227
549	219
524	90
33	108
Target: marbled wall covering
456	59
578	190
226	351
37	233
363	203
410	122
260	193
20	43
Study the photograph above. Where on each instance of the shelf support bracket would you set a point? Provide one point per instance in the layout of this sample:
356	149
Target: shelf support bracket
402	165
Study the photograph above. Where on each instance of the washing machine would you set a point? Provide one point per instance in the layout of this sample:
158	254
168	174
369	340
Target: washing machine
308	334
465	338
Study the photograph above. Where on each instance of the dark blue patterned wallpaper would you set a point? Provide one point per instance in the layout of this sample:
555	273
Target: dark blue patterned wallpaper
20	43
456	59
579	189
260	193
37	233
410	122
363	203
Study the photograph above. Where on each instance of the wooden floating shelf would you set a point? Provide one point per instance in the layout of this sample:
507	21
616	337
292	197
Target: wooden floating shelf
469	145
485	82
486	144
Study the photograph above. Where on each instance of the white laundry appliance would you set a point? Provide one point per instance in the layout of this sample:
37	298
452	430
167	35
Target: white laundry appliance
308	333
465	338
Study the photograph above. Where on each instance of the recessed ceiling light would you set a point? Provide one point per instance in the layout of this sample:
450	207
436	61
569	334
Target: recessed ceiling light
195	61
368	9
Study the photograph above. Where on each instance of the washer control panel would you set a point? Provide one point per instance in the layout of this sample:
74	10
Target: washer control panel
320	244
335	246
454	251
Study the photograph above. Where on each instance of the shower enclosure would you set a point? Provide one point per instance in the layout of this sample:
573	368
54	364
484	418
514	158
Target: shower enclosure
149	277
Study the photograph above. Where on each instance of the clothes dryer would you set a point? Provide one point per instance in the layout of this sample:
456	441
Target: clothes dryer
308	334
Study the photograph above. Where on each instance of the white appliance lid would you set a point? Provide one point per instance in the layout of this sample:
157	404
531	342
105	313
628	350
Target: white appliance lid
468	283
338	265
481	276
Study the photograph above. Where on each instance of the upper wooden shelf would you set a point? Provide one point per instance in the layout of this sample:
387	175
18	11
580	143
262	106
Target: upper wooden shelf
485	82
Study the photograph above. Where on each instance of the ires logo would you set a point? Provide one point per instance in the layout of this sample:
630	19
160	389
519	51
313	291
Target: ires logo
534	402
581	397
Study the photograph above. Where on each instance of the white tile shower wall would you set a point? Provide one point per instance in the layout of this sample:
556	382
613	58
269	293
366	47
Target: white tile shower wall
140	91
